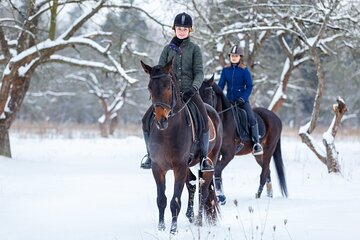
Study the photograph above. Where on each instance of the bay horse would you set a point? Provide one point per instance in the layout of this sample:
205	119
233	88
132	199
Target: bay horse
212	94
170	144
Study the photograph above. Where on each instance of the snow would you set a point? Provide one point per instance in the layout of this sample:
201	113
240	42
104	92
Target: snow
91	189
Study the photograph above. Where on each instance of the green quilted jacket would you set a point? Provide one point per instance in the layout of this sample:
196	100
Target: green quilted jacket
187	64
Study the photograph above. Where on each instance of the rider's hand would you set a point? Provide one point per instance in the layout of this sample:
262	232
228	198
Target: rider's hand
189	93
240	101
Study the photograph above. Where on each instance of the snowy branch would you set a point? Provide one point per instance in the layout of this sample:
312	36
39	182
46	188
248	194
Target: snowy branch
82	63
129	6
81	20
51	93
54	46
43	7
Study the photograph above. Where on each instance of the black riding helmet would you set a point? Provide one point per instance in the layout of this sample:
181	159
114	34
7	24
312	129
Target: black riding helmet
183	20
237	50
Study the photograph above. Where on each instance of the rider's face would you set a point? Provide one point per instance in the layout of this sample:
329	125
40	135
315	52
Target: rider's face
182	32
234	58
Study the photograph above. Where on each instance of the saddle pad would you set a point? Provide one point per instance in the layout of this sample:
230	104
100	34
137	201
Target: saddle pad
195	125
261	125
244	131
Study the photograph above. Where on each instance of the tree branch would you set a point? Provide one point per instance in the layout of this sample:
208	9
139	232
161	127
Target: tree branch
4	45
81	20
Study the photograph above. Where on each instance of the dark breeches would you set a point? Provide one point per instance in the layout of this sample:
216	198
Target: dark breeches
251	118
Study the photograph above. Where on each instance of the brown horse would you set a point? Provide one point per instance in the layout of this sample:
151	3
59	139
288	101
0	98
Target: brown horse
170	144
213	95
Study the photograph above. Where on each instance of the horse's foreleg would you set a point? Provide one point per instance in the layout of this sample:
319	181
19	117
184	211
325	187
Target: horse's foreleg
161	197
220	165
219	190
175	204
202	193
191	186
269	189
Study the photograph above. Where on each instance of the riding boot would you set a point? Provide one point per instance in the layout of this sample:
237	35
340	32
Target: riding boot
257	148
146	160
206	163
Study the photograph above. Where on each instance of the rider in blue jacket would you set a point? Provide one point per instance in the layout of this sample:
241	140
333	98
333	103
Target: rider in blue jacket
238	80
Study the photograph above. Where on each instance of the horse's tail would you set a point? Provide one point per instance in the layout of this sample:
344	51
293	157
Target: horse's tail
211	208
279	165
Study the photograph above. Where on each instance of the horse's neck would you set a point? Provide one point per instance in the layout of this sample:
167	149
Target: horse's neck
224	108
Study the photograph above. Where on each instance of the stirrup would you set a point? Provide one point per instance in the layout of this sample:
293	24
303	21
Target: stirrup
145	162
257	149
206	167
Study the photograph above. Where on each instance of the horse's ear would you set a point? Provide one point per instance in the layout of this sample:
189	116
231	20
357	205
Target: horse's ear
210	80
146	68
168	66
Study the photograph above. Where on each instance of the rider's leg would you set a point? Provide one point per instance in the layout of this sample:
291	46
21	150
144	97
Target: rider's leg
205	163
257	148
146	160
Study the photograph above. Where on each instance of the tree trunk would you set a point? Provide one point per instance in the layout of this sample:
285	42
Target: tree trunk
4	141
113	125
330	158
329	141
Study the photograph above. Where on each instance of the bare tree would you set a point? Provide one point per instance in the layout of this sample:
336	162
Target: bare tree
313	30
24	52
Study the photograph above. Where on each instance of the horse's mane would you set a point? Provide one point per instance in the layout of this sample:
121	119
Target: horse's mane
218	91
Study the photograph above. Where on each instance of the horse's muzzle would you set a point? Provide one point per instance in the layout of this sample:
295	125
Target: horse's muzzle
161	117
162	124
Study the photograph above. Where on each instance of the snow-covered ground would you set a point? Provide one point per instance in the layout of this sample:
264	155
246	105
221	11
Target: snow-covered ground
93	189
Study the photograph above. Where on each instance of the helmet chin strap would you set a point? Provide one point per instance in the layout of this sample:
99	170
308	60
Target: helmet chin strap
235	63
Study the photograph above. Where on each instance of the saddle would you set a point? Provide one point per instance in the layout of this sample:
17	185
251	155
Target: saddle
196	121
242	125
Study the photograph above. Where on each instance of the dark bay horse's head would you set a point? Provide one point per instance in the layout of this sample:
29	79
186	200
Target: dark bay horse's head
207	93
162	92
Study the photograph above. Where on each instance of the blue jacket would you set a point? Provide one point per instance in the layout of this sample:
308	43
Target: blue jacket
238	81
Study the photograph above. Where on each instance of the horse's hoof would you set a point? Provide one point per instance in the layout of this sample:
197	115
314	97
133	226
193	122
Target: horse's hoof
190	217
199	222
190	214
173	229
221	199
161	227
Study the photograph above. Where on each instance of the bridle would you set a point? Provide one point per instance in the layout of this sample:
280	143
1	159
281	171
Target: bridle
213	100
173	103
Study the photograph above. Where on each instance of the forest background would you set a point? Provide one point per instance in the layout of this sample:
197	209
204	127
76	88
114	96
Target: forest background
302	55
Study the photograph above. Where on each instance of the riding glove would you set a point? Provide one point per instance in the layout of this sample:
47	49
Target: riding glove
189	93
240	101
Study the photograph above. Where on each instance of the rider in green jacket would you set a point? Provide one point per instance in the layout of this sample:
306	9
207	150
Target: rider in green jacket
188	69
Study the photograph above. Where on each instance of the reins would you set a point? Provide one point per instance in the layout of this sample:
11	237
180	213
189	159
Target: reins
174	95
226	109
